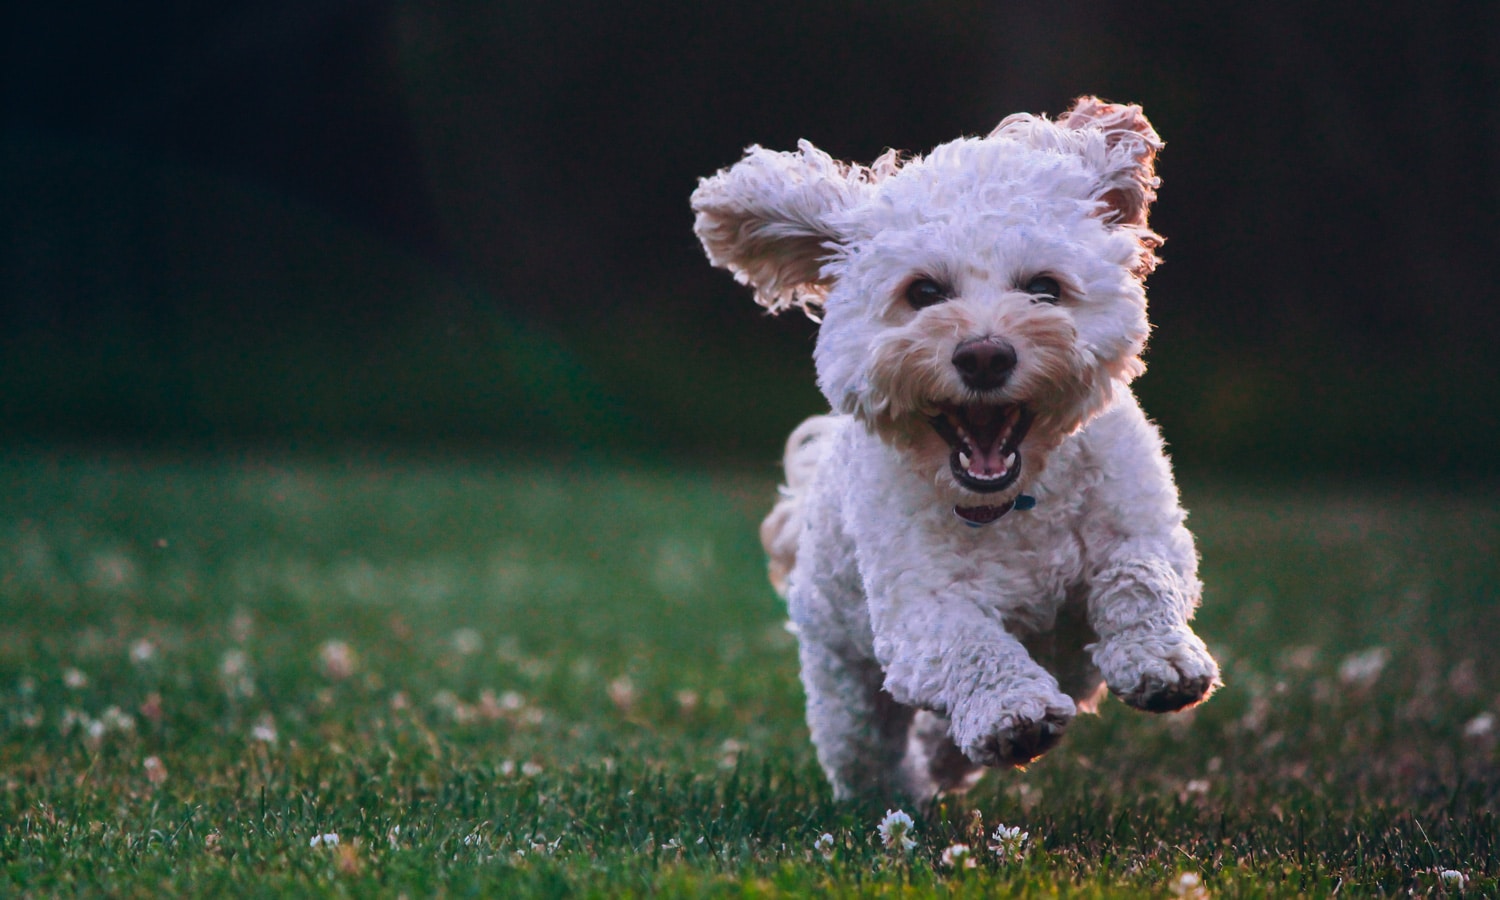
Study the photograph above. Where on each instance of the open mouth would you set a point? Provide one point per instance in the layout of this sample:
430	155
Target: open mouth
985	439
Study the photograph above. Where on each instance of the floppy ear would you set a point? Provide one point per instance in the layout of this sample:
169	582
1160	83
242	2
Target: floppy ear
1128	167
770	218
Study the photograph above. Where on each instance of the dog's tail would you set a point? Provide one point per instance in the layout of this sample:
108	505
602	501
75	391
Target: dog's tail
781	530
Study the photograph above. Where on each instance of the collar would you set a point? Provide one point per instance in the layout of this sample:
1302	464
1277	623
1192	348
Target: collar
979	516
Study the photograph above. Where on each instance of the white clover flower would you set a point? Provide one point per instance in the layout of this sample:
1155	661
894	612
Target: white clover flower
1008	842
234	674
337	660
156	770
1195	787
959	856
324	840
824	845
74	679
1188	886
234	663
116	719
894	829
142	651
467	641
1480	726
1360	670
1454	877
264	729
622	693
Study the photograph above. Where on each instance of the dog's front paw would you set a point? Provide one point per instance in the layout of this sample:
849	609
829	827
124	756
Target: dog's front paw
1158	671
1013	730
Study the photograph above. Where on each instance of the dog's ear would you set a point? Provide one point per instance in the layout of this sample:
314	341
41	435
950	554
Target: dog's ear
1128	167
771	220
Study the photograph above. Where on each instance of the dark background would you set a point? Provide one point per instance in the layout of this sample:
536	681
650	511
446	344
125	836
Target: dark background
316	223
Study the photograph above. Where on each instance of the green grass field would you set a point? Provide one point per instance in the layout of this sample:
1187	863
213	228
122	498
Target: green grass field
510	680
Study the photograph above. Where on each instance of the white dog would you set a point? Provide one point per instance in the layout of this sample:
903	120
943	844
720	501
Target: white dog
985	533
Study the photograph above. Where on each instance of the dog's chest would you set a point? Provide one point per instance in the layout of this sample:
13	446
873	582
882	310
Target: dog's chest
1023	568
911	548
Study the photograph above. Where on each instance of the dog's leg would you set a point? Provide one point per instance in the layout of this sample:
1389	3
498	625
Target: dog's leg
1149	656
1144	587
870	745
948	656
859	731
1062	651
934	764
1006	710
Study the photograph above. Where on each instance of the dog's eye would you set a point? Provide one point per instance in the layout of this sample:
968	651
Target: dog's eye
925	292
1044	288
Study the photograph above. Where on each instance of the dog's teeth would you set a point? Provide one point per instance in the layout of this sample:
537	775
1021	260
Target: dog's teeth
1010	460
963	459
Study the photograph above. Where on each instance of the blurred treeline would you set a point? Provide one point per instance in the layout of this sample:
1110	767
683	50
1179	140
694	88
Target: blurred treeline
322	221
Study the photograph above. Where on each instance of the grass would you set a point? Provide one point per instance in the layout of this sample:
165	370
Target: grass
504	679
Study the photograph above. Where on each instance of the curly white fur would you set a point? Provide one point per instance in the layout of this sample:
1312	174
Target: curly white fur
930	648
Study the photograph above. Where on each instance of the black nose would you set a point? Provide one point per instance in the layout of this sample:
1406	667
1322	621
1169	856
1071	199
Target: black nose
984	364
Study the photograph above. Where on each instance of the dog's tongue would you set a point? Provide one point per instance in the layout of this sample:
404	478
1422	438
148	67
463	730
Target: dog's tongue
987	427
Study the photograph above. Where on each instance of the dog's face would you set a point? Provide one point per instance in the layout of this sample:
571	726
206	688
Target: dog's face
979	304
